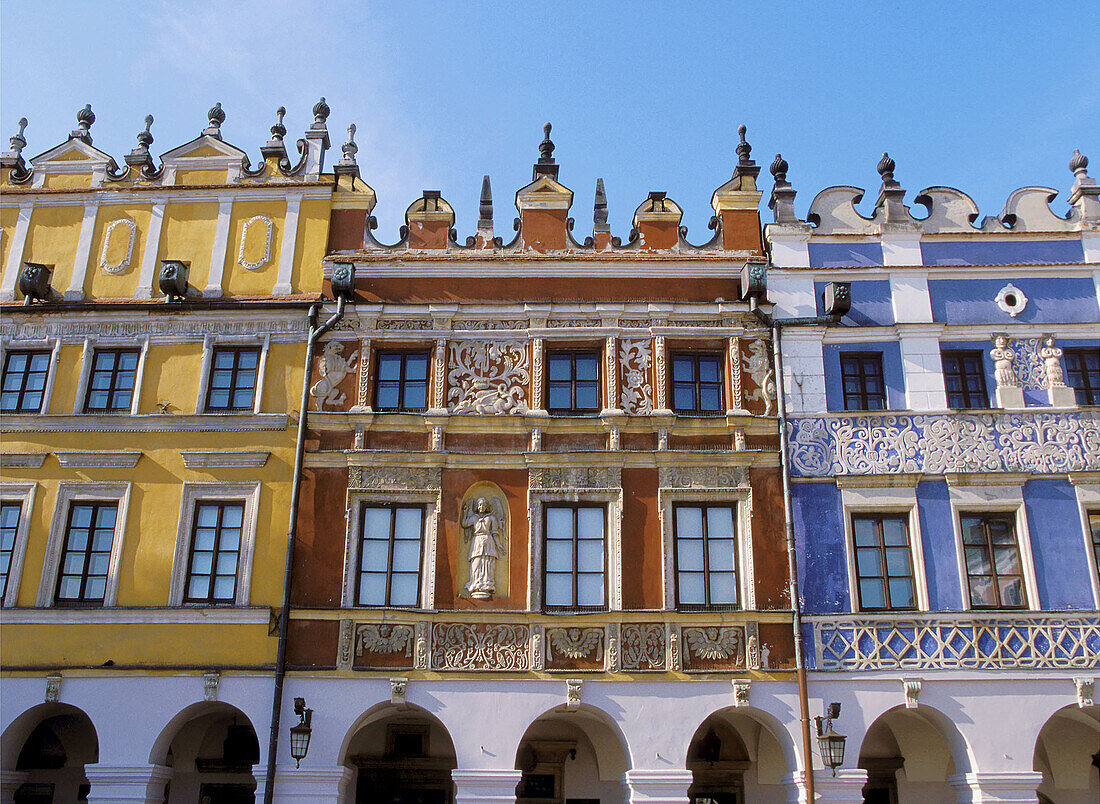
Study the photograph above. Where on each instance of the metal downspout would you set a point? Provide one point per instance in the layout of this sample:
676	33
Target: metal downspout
291	534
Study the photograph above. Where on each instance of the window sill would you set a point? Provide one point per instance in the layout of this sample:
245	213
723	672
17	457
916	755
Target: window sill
143	423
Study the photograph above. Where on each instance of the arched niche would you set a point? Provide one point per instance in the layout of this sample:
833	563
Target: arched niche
909	754
48	746
1067	753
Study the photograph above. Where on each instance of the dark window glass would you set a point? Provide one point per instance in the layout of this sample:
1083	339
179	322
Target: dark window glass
232	378
24	381
884	566
994	573
573	382
86	554
705	556
389	556
696	382
215	553
864	387
401	381
574	557
111	382
9	526
964	376
1094	527
1082	374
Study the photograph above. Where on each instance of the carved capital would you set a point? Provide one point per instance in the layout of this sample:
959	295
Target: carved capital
398	687
573	694
912	687
1085	687
210	681
53	688
741	688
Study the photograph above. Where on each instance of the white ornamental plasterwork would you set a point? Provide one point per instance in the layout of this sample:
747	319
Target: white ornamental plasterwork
362	391
611	358
488	377
480	646
394	478
612	647
879	446
714	644
1051	357
269	236
735	373
574	643
334	368
175	327
491	323
636	357
53	688
643	646
636	323
576	477
759	366
108	234
536	647
1004	358
569	323
1029	365
345	645
210	681
439	373
384	639
702	477
404	324
420	657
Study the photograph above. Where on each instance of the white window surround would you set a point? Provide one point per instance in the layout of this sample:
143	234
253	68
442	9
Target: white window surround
69	492
87	359
740	499
195	493
22	493
884	500
430	500
611	499
989	499
54	347
209	343
1088	499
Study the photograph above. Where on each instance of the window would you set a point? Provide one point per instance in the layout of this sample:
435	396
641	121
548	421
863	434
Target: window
86	554
402	381
696	382
574	382
884	564
964	376
24	382
1094	529
994	572
111	384
390	555
215	553
9	528
864	387
233	372
1082	374
574	573
705	556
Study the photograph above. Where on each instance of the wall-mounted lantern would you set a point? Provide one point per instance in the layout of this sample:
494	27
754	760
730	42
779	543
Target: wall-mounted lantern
829	742
300	734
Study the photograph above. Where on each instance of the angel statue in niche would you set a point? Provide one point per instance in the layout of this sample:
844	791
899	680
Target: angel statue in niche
483	526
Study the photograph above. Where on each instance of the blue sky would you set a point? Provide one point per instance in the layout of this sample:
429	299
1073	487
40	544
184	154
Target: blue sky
985	97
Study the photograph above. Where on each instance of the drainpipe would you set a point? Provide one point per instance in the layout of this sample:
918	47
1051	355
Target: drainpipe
776	325
315	333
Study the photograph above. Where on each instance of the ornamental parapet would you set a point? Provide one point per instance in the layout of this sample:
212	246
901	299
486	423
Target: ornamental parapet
989	641
1041	442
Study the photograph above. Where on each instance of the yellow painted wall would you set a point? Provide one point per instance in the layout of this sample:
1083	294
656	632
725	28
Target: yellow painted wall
312	241
67	181
51	239
200	177
239	281
98	284
8	218
188	234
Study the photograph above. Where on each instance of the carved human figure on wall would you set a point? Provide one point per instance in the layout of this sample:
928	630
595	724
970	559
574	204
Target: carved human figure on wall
483	525
1052	362
1003	357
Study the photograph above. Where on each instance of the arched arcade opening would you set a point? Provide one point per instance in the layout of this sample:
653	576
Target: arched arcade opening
1067	753
908	758
735	757
48	747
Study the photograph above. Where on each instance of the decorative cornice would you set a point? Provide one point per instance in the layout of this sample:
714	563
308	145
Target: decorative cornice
112	616
222	459
98	460
144	423
22	460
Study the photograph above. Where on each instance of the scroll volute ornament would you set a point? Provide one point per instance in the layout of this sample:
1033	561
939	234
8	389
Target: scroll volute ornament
484	546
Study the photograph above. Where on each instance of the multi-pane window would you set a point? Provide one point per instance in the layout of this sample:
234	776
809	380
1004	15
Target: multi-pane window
696	382
1083	374
390	549
994	572
574	574
401	381
86	554
215	553
1094	529
705	556
24	381
9	526
111	382
233	372
573	384
864	386
884	566
964	377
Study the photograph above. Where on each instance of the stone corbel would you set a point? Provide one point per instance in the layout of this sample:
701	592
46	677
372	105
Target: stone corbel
612	653
912	687
210	681
362	396
536	648
741	688
1085	688
573	694
398	688
345	645
421	653
53	688
439	377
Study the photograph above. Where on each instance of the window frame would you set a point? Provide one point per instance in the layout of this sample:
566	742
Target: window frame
878	518
85	576
21	494
575	507
697	383
1086	487
737	550
51	345
188	574
960	355
356	570
112	388
573	354
210	343
1087	389
376	367
863	395
87	364
985	517
69	492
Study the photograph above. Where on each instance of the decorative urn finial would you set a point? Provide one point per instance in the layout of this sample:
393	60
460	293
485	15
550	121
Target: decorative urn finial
779	169
886	167
278	131
84	119
145	136
321	111
18	142
546	147
216	116
349	148
1078	163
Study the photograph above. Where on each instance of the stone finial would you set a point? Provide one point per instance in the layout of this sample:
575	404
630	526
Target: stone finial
84	119
1085	195
546	165
18	143
215	116
779	169
485	208
745	164
140	157
145	136
890	209
349	148
321	112
599	211
278	131
886	167
1078	163
782	198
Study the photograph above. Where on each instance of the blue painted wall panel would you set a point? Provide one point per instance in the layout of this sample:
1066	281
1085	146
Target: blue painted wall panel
1001	252
871	304
1050	301
937	529
1058	545
892	371
819	536
840	255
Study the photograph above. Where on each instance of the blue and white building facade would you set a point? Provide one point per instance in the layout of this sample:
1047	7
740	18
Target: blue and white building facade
944	449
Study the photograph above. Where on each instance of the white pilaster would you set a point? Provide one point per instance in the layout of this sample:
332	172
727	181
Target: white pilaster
287	245
901	249
804	371
923	367
793	295
795	784
909	297
844	788
15	253
994	788
214	284
75	291
483	786
659	786
790	251
144	289
127	784
323	785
